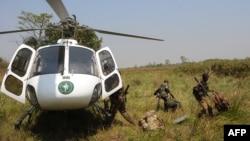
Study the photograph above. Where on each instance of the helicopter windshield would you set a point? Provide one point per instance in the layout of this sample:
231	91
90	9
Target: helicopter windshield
82	61
49	60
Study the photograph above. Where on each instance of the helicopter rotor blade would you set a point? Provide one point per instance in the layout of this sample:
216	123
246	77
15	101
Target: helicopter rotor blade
21	30
122	34
59	8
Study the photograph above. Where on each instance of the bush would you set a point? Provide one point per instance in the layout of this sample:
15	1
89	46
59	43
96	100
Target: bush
235	68
3	63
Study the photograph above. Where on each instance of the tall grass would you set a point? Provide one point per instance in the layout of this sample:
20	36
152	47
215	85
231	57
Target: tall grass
87	124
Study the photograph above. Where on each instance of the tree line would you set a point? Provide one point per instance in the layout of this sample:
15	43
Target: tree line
239	68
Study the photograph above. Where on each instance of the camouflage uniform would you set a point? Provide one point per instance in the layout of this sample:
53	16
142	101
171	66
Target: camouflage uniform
118	103
164	93
200	93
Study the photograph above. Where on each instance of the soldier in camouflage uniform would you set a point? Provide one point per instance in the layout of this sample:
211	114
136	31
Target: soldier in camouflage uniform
200	92
118	103
164	93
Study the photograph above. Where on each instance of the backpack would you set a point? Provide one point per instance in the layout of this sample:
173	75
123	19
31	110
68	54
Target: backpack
150	121
220	102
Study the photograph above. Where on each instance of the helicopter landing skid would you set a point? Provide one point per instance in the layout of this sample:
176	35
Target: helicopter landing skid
22	117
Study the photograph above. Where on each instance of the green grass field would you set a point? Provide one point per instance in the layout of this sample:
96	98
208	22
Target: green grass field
87	124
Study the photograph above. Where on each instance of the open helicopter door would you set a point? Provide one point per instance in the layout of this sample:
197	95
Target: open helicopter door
16	75
111	78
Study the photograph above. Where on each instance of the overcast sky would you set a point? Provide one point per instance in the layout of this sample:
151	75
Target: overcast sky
195	29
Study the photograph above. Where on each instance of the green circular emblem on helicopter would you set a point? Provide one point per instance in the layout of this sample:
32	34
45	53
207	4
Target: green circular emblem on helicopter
66	87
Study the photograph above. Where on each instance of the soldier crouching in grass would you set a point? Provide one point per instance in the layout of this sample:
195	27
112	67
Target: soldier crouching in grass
118	103
164	93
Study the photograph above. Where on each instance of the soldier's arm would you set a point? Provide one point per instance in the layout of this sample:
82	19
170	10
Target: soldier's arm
157	91
172	95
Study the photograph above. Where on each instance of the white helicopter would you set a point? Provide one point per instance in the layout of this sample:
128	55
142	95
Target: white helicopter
62	76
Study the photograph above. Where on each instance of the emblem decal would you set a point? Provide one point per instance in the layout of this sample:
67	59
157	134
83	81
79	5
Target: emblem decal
66	87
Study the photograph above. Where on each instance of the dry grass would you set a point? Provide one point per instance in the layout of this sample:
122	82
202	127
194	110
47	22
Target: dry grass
87	125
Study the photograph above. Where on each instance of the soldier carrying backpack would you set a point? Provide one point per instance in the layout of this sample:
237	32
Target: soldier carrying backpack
200	92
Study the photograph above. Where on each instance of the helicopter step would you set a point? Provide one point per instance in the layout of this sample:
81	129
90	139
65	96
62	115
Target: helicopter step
29	113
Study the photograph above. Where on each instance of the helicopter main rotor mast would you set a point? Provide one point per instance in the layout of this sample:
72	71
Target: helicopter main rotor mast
62	13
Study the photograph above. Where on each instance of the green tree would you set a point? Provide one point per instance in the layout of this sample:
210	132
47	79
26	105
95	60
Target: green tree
167	62
3	63
184	59
29	20
88	38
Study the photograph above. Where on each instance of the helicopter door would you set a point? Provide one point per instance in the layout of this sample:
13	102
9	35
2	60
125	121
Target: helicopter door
16	75
111	78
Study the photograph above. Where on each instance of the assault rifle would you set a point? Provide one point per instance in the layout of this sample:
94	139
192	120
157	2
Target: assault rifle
204	90
126	92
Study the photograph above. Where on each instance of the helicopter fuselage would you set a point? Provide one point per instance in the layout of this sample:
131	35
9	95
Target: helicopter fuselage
63	76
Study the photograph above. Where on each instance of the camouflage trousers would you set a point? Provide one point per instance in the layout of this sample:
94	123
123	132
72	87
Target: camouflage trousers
119	105
206	107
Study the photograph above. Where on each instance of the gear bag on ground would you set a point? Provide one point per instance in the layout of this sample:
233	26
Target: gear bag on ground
150	121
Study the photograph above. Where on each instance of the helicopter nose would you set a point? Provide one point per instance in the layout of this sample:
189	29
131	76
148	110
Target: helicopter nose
55	93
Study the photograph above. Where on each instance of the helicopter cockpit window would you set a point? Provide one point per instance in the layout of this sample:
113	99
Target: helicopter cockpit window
49	60
82	61
107	62
21	61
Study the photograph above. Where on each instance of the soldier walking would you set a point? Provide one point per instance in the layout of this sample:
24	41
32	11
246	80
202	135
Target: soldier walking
200	92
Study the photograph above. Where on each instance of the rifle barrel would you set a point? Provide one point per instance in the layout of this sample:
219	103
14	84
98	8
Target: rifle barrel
126	90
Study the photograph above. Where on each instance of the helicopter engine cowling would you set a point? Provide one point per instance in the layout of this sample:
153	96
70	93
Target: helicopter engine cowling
57	92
